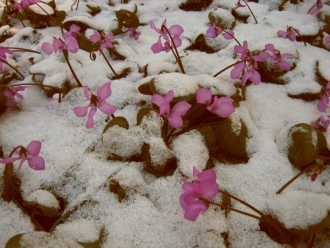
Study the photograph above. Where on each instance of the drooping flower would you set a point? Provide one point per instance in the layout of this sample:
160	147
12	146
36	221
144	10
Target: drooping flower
174	31
25	3
174	115
323	104
243	50
321	124
290	33
70	44
203	187
327	39
133	33
279	58
316	8
10	94
96	102
213	32
239	5
74	31
3	57
222	107
29	154
105	40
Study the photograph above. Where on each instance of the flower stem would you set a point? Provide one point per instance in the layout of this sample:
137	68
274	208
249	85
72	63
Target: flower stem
59	23
226	68
231	209
177	57
65	53
251	11
295	177
232	37
5	62
107	61
19	49
299	35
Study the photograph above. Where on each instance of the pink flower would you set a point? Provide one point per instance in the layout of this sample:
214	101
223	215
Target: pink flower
3	57
10	93
323	104
70	44
133	33
316	8
327	39
204	186
239	5
279	58
321	123
243	50
105	40
174	115
74	31
213	31
290	33
175	31
30	153
222	107
96	102
25	3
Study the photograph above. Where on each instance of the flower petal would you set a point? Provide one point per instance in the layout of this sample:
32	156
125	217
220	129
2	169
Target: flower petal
47	48
34	147
181	108
36	162
204	96
176	30
80	111
8	160
90	121
175	120
106	108
104	91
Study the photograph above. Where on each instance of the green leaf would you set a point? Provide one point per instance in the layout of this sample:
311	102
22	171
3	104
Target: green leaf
119	121
115	187
8	187
142	113
127	18
209	135
14	242
145	89
47	211
60	15
304	147
195	112
232	141
93	9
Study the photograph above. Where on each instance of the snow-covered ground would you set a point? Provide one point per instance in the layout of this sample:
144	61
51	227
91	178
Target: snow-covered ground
80	172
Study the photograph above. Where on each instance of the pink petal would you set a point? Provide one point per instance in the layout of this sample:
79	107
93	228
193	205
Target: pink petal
255	78
270	47
90	121
8	160
224	107
95	37
71	44
181	108
237	70
176	30
74	28
177	41
58	44
327	39
36	162
175	120
34	147
208	188
47	48
87	93
157	47
229	35
210	32
204	96
247	74
193	210
284	65
80	111
104	91
20	164
106	108
169	96
158	99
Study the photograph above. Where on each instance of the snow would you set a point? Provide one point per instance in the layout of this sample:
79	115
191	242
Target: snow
43	198
80	164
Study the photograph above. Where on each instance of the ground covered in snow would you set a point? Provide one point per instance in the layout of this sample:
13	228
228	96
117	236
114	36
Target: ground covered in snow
98	182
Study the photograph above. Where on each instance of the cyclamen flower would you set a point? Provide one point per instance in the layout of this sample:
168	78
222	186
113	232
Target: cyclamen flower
70	44
133	33
213	32
25	3
279	58
10	93
204	186
105	40
327	39
323	104
96	102
3	57
222	107
247	68
239	5
321	123
174	115
316	8
290	33
29	154
174	31
74	31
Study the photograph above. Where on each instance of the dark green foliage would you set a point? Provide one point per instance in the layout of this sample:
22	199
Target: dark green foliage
119	121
